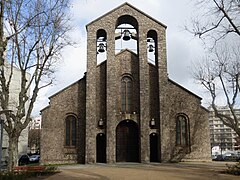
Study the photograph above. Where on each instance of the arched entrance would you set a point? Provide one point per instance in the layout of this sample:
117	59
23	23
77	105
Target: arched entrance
154	147
101	148
127	145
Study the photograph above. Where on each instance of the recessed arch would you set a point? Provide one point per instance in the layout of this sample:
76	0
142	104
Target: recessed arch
127	141
101	148
126	34
101	33
70	130
101	45
127	74
126	94
127	19
152	46
182	130
153	140
152	34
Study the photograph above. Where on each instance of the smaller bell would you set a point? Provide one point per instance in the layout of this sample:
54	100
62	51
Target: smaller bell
101	48
151	48
126	35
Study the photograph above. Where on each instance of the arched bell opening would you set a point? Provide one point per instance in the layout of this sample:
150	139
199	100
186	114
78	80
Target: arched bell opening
101	148
126	34
152	53
101	46
127	142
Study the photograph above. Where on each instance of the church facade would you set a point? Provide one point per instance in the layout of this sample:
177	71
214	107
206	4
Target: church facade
125	108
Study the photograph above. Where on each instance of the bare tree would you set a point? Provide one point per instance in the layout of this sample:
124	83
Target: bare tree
217	22
220	75
215	19
32	35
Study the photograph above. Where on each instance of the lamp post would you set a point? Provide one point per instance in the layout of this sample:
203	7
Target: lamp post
1	134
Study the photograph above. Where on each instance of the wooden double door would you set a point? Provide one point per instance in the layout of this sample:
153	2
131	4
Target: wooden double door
127	142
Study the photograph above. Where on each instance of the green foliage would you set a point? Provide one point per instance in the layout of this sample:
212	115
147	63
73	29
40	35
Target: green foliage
233	169
51	169
16	176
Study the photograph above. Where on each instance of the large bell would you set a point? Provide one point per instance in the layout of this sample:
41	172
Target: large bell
101	48
126	35
151	48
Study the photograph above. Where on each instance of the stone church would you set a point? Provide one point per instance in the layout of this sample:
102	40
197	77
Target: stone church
125	108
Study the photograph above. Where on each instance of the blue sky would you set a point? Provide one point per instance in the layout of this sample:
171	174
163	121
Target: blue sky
182	47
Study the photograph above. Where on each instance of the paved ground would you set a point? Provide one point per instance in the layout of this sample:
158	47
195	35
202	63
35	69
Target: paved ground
153	171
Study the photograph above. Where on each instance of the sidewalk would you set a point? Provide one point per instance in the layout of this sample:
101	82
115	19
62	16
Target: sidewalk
137	171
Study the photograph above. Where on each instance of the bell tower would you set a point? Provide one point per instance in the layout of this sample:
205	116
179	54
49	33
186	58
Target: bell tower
126	73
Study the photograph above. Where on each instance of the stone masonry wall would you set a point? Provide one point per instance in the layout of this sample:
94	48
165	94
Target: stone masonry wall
108	22
180	101
70	100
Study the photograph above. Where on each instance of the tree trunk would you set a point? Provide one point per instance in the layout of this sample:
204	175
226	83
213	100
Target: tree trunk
12	152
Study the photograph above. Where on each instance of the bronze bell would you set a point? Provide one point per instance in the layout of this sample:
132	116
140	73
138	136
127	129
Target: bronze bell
101	48
151	48
126	35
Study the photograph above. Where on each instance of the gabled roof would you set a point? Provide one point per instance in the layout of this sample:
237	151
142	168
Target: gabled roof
131	6
124	50
185	89
67	87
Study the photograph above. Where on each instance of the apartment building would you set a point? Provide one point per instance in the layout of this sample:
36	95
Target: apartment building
35	123
220	134
13	96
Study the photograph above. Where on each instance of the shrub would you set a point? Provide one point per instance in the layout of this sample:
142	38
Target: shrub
24	174
14	176
233	169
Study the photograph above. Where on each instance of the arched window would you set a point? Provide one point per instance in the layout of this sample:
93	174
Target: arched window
70	131
126	94
182	131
